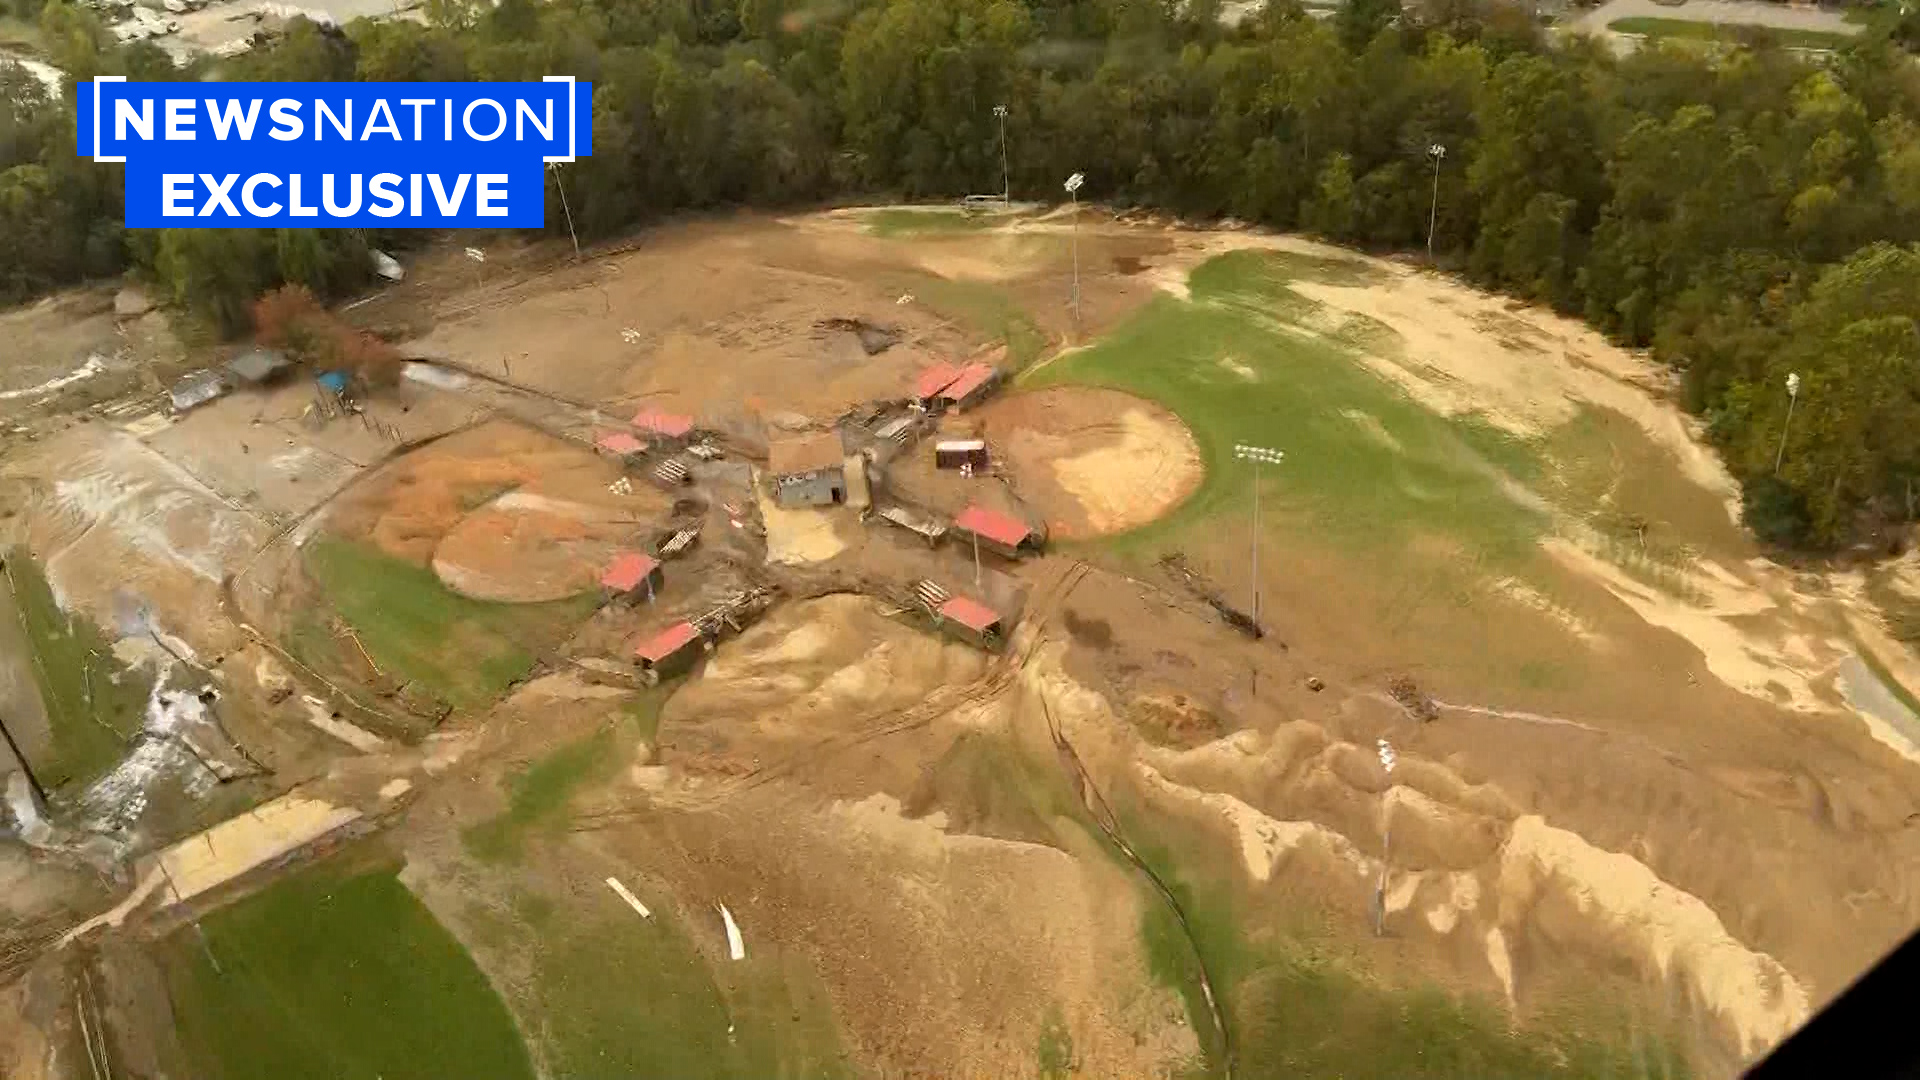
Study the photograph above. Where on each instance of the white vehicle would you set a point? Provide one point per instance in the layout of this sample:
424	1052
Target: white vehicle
175	6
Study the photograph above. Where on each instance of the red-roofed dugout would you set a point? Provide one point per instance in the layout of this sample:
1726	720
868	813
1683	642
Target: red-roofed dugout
990	525
971	614
628	570
619	442
971	378
934	379
671	425
665	643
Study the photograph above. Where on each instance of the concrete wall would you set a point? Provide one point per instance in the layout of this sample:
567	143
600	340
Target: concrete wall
825	487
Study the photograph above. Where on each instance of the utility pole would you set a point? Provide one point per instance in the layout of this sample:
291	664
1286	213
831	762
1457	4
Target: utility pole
1438	153
555	166
1259	455
1006	184
1793	395
1074	183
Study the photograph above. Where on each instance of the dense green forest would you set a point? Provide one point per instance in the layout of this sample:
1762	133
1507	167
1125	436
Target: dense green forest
1746	213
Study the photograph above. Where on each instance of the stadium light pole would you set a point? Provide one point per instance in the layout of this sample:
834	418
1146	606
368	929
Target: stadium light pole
1259	455
1006	184
1793	395
1074	183
1438	153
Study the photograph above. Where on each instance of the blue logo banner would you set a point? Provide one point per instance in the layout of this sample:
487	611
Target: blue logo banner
328	155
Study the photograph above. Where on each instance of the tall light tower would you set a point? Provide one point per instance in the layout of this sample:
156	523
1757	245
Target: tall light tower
1793	395
1259	455
1438	153
1006	185
1074	184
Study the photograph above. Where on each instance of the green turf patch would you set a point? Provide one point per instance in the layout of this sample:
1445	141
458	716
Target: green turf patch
634	997
906	221
986	310
330	974
538	794
1054	1052
95	705
462	651
1728	33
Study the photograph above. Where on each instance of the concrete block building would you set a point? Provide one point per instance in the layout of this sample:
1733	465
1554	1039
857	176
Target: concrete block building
808	471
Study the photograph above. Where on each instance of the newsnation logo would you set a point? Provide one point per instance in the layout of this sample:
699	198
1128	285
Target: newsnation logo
326	155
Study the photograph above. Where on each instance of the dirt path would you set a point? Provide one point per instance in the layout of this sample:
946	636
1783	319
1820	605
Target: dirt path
1725	12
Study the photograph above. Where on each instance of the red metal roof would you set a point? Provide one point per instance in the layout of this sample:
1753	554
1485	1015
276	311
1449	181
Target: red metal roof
935	379
619	442
628	570
672	425
665	643
971	378
994	526
970	613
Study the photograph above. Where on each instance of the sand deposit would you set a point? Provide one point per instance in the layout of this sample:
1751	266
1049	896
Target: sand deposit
1093	461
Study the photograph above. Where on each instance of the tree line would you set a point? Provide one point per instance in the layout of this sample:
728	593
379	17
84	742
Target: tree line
1745	212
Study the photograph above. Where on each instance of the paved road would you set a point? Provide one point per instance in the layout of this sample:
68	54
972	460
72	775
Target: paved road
1731	12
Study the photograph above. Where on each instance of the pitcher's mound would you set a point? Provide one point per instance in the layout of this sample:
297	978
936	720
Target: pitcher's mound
523	548
1093	461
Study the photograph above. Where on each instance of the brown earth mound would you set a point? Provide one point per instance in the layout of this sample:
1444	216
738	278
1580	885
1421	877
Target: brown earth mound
503	512
1093	461
524	548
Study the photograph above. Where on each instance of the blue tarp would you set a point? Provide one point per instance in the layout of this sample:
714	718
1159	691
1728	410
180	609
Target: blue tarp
335	381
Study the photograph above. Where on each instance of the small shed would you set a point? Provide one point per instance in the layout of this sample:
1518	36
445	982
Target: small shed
971	619
195	390
971	386
668	653
998	532
808	471
663	428
258	367
953	453
631	573
619	445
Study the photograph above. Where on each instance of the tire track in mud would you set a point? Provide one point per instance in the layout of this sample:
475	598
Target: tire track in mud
998	679
1109	824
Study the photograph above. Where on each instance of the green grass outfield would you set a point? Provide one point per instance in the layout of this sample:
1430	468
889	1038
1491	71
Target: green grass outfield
94	704
1366	465
622	996
331	973
924	221
465	652
1653	27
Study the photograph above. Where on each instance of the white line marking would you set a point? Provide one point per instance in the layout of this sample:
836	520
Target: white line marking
632	900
